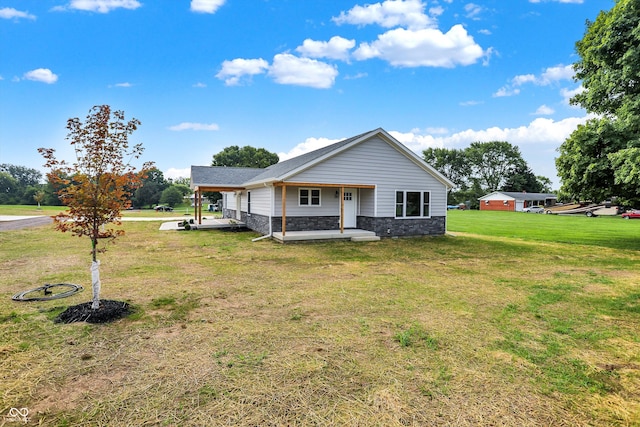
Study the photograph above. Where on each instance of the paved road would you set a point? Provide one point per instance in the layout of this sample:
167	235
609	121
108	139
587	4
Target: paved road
25	222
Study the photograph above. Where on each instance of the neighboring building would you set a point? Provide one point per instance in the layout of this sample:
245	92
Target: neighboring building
515	201
370	182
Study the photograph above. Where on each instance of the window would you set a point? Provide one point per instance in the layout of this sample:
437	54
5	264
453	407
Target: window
412	204
248	202
309	197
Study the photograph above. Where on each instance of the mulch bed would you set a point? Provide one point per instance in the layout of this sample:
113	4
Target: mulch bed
108	311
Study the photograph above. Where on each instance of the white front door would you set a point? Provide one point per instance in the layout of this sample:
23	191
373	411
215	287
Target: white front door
350	207
239	206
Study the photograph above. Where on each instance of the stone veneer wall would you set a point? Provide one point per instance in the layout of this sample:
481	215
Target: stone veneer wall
303	223
258	223
394	227
383	227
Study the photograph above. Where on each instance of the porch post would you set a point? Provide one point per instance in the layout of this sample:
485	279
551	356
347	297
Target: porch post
284	209
195	205
199	206
341	210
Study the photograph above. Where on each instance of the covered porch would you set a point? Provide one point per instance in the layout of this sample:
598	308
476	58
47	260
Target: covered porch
198	196
342	231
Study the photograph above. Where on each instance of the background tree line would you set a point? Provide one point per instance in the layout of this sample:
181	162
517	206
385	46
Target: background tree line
20	185
484	167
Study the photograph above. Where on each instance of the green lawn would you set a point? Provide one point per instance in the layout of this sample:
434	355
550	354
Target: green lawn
607	231
522	320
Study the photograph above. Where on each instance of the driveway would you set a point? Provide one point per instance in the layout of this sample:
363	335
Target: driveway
9	222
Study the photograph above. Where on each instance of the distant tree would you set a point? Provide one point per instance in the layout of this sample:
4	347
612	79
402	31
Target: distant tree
545	183
150	191
8	189
23	179
98	185
247	156
39	197
493	162
171	196
452	163
609	164
522	179
24	176
181	181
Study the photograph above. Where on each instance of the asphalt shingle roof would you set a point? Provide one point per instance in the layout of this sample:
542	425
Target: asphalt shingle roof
212	176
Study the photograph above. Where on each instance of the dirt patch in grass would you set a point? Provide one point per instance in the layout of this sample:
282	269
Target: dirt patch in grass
108	311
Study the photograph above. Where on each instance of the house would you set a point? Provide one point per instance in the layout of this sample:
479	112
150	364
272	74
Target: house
368	182
515	201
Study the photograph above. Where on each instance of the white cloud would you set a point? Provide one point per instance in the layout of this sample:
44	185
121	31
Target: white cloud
194	126
539	131
567	94
555	74
436	10
173	173
336	48
11	13
233	71
544	110
199	85
43	75
206	6
548	77
473	10
101	6
308	145
388	14
124	84
522	79
426	47
506	91
559	1
291	70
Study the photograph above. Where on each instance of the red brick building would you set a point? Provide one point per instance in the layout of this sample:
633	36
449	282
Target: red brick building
515	201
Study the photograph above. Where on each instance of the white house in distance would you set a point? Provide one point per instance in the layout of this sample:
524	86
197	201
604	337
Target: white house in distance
368	182
515	201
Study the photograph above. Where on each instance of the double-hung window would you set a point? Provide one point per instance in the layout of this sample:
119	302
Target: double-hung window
309	197
412	204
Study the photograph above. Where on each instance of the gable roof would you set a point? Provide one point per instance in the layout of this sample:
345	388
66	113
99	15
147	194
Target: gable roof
288	168
211	176
246	177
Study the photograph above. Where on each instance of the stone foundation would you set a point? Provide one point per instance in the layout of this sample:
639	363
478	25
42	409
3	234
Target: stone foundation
394	227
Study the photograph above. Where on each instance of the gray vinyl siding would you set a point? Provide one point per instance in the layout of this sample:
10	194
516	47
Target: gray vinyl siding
376	162
329	203
260	201
367	202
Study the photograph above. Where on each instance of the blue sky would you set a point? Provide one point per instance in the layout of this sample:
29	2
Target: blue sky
291	75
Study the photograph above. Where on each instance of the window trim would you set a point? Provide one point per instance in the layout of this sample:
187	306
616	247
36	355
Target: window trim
310	197
403	204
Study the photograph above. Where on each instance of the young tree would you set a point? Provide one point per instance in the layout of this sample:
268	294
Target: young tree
99	183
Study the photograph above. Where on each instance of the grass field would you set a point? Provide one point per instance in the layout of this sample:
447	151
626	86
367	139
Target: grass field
520	319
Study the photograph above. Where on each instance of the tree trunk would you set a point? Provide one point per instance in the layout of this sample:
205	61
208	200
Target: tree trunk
95	284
